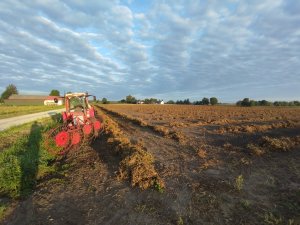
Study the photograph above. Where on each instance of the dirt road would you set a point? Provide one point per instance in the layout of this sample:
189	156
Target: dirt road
18	120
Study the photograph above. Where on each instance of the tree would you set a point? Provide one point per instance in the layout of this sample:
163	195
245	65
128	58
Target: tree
246	102
264	103
183	102
104	101
153	100
205	101
239	103
276	103
253	103
186	101
10	90
147	101
296	103
130	99
54	93
213	101
150	101
170	102
281	103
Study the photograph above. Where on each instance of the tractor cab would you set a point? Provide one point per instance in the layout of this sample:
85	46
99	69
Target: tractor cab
78	109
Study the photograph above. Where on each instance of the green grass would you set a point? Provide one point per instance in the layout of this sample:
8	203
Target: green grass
25	161
3	207
270	218
239	182
7	111
11	135
158	187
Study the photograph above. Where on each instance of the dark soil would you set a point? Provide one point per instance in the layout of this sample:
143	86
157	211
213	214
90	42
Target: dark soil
210	179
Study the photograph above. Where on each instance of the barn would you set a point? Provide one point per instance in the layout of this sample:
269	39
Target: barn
32	100
53	100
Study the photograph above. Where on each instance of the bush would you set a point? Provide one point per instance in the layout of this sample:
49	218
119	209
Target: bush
239	182
104	101
130	99
285	103
246	102
205	101
253	103
239	103
184	102
151	101
264	103
170	102
213	101
296	103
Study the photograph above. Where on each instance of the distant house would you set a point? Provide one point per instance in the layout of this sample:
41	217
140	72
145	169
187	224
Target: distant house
31	100
162	102
140	102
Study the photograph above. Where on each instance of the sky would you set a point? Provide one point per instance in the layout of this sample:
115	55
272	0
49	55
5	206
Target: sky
162	49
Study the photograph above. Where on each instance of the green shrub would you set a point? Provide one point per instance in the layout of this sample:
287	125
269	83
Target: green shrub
239	182
213	101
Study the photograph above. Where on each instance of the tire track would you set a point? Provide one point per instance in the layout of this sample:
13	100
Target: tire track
171	158
189	189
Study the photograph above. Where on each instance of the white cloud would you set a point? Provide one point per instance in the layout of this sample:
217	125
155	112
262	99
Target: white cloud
228	49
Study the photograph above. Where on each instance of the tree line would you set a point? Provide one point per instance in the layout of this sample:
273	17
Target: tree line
246	102
11	89
129	99
204	101
132	100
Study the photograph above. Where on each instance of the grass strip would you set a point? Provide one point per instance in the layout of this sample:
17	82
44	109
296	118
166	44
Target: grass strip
12	111
9	136
24	162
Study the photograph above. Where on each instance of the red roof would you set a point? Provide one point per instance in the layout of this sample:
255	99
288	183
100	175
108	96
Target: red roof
53	97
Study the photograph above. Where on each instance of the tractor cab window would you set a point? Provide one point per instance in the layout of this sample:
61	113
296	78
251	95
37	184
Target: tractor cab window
77	104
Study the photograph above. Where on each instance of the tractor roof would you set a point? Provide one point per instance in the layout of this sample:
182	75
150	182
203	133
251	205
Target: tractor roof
77	94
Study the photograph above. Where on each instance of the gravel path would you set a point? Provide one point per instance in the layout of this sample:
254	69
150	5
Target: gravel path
18	120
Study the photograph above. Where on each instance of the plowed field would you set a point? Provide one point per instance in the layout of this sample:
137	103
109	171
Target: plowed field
169	164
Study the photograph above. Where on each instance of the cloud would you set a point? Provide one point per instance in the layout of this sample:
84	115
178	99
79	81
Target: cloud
191	49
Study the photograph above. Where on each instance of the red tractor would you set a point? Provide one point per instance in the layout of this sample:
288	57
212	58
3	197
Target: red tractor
79	125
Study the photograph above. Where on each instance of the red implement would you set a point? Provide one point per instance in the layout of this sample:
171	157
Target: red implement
79	125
